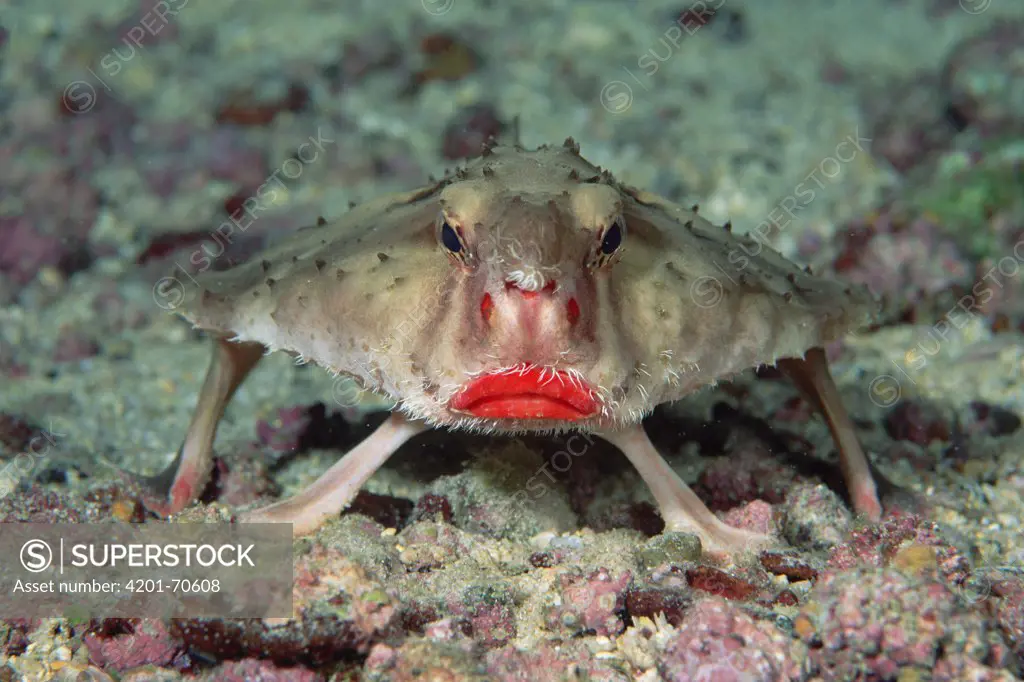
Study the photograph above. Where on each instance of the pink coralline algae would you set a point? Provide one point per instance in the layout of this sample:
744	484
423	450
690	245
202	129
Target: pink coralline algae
1010	611
419	659
326	580
878	544
756	516
879	622
254	670
485	614
149	642
720	642
746	474
492	624
588	603
341	613
900	258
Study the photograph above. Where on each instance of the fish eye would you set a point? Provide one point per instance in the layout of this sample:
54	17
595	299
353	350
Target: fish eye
612	239
450	238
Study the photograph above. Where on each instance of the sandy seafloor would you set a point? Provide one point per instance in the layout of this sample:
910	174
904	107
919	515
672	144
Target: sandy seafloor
581	586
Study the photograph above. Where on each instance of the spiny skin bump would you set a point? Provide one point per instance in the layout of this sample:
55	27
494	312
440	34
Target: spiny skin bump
375	295
528	292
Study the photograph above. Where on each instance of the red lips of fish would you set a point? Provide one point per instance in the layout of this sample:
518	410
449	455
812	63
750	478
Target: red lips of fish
533	394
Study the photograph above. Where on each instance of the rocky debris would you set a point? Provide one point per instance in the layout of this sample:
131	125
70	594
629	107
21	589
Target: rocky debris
885	622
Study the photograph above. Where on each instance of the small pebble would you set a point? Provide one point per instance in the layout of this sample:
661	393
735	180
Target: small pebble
672	547
916	559
803	626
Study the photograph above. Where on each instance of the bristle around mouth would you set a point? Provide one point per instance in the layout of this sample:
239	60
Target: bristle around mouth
533	393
